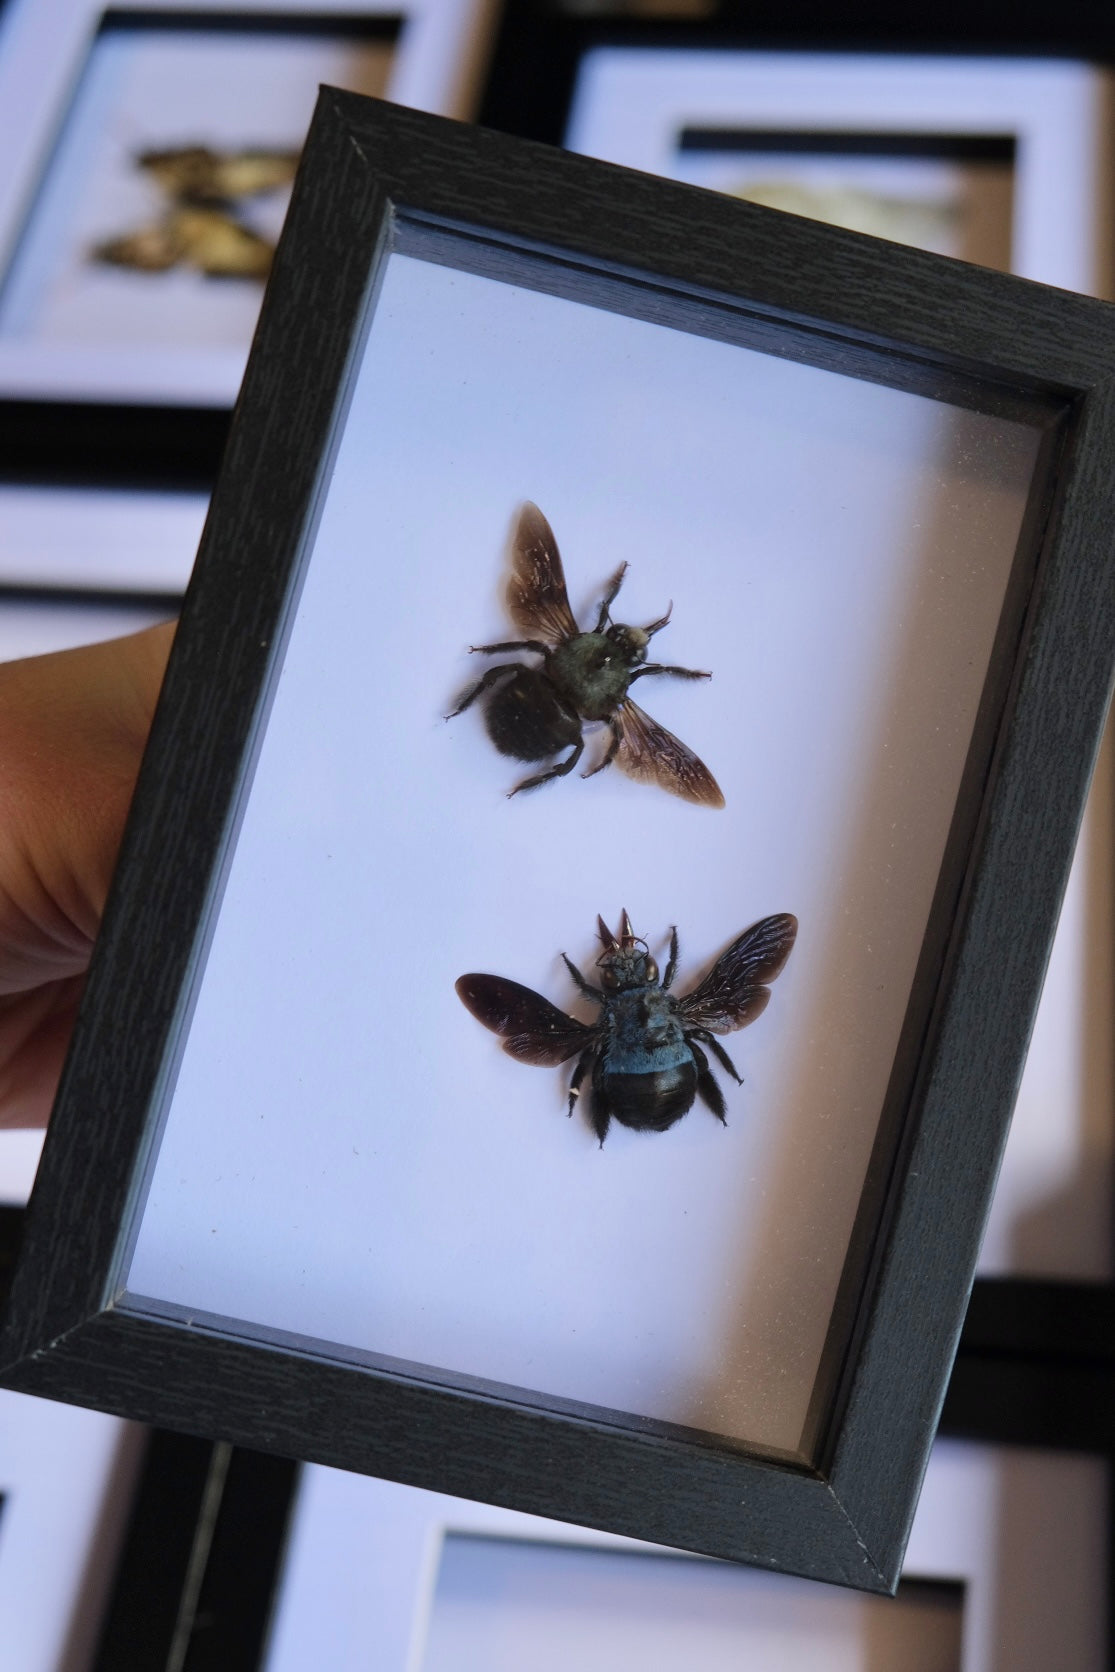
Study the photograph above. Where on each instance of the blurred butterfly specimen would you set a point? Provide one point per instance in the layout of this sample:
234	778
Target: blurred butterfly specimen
202	223
534	711
644	1051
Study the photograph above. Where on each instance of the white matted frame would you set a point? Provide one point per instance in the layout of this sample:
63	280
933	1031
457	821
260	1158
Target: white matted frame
632	105
92	540
660	108
1021	1533
85	89
66	1478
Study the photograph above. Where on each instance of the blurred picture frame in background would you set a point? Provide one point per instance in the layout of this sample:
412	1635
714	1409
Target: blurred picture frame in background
970	1585
67	1485
154	152
302	1181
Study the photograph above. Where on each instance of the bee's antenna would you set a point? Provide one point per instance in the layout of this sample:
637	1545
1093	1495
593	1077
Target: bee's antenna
657	626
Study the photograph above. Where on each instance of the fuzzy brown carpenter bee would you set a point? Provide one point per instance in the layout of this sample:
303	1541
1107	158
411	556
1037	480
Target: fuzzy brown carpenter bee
533	712
644	1052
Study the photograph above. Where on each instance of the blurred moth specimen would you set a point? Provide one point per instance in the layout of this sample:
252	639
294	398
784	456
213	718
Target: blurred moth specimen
202	224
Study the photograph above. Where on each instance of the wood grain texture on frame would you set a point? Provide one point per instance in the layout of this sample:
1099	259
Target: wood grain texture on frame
377	179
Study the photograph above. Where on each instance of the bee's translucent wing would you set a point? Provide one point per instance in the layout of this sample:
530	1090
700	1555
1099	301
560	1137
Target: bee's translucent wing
536	597
649	752
735	989
532	1029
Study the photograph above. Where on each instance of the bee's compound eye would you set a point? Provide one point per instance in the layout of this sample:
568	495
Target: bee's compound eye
652	970
609	978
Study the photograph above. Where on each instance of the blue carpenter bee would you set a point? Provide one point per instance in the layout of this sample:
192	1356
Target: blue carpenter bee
533	712
644	1051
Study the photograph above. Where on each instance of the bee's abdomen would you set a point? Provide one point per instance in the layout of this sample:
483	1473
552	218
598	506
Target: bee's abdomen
527	718
649	1102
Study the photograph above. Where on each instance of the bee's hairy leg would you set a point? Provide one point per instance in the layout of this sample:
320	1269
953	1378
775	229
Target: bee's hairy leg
672	961
610	597
609	754
587	1058
718	1052
707	1089
512	644
492	677
662	667
586	987
601	1116
557	771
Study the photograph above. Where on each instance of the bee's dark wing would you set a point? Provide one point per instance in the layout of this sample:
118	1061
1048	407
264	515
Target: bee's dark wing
735	989
532	1029
536	597
649	752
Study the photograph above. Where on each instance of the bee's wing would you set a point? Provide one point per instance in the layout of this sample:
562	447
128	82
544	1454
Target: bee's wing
536	597
532	1029
734	991
649	752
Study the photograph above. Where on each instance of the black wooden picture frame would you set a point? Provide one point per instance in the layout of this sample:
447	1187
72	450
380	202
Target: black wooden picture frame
1043	1327
378	180
196	1578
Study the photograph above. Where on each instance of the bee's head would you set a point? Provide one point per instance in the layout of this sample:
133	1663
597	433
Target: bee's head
632	642
625	961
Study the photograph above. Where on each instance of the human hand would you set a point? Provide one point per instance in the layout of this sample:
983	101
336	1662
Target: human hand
73	726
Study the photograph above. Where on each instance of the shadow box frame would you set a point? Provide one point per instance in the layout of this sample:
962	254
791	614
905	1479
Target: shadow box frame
941	86
378	181
438	51
401	1536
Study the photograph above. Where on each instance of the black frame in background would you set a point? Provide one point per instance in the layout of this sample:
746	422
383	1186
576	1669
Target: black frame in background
197	1572
202	1559
87	444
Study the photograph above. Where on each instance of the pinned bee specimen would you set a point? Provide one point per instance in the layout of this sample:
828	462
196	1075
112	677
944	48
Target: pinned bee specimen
644	1053
200	226
533	712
